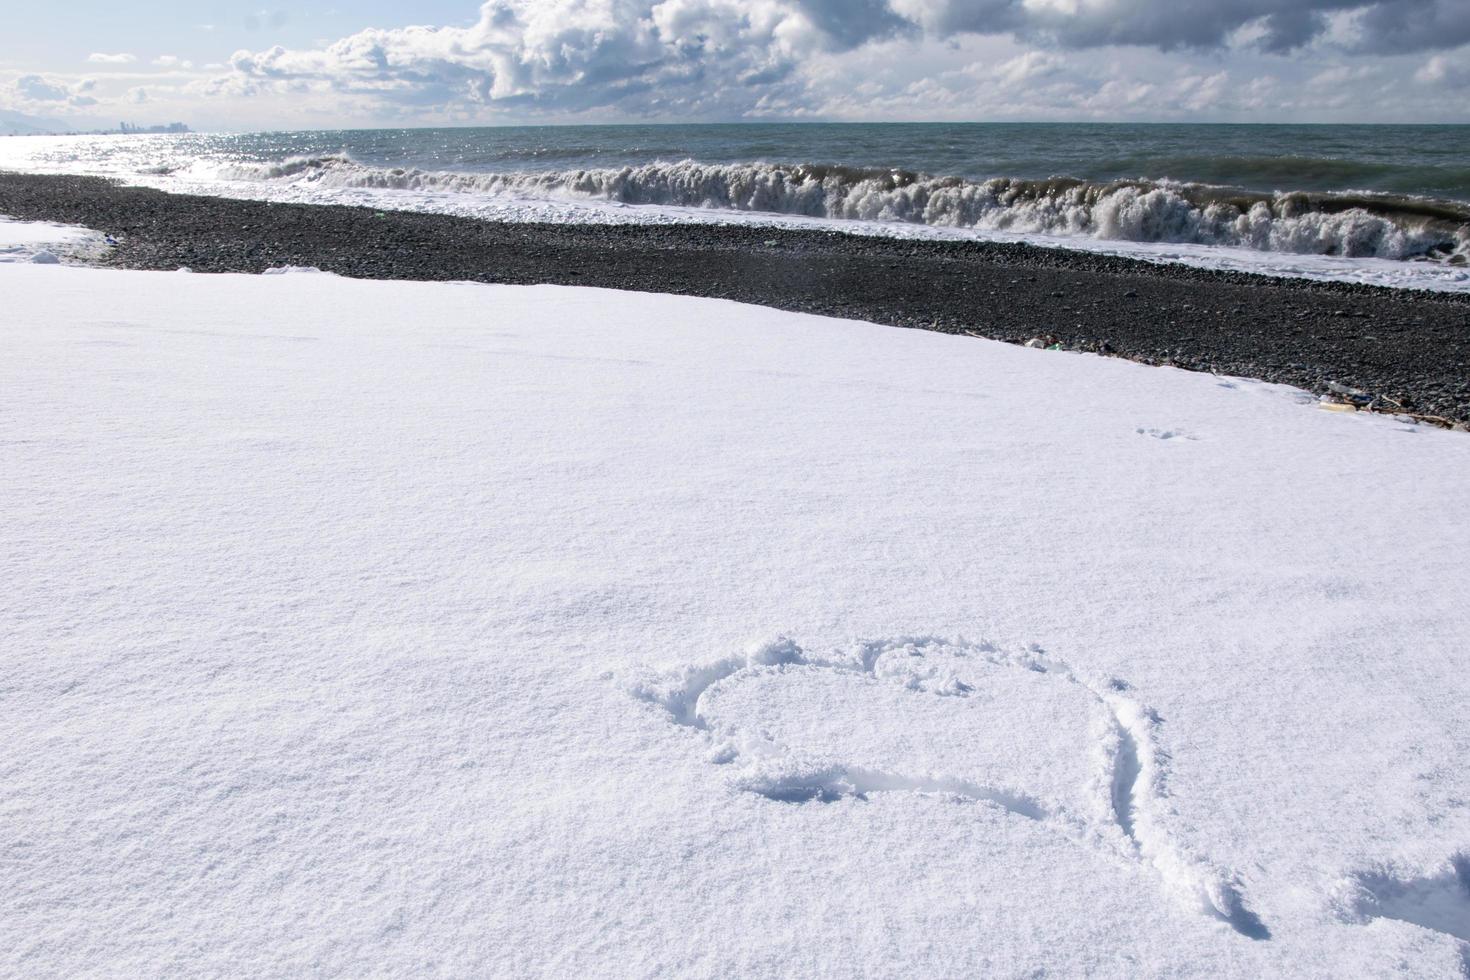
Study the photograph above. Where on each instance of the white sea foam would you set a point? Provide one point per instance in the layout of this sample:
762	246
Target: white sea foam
1125	211
1357	238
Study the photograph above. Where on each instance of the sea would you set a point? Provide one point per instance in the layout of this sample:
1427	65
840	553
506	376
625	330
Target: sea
1376	204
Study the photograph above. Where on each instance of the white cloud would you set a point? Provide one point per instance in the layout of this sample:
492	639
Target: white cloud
606	60
676	55
36	88
730	59
49	93
1445	72
98	58
1024	67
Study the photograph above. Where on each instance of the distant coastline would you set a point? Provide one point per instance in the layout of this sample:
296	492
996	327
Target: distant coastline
124	129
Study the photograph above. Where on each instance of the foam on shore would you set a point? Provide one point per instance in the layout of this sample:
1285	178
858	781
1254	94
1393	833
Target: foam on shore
1377	239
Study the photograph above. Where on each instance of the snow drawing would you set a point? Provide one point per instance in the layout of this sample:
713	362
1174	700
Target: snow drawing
956	720
1438	900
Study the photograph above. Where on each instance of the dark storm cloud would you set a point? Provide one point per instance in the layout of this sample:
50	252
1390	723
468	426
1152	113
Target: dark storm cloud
1393	26
1289	29
850	23
1403	26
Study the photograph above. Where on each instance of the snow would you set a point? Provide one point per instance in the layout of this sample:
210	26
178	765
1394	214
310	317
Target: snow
39	241
409	628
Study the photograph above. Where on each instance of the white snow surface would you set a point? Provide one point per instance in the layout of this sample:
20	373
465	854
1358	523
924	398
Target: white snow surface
39	241
359	628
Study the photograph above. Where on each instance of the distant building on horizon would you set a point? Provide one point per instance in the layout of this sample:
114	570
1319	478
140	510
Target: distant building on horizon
177	127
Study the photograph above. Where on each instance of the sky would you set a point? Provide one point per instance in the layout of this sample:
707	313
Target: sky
242	66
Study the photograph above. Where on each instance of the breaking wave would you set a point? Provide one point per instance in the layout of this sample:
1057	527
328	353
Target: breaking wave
1357	225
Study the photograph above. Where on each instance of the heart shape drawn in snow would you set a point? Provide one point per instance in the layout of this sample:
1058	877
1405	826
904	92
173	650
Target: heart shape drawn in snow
1014	730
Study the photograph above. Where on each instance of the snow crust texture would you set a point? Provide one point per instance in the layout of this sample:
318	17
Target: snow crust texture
400	629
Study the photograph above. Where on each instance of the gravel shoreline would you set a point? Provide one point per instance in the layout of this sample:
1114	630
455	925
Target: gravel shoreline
1402	347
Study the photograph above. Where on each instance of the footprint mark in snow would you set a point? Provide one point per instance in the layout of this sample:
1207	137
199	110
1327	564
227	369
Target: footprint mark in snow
1438	900
1168	434
1087	753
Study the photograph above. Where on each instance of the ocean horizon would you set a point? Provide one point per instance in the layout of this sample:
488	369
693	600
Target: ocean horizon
1380	203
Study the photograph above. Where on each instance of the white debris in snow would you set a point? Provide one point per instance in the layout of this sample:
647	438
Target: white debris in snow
38	241
295	270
